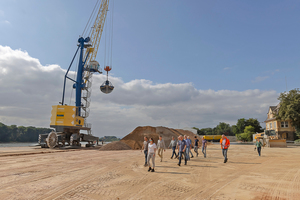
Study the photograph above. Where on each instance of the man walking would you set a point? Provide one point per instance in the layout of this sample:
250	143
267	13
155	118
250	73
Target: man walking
258	145
190	151
225	143
145	147
173	145
196	145
204	145
188	145
161	147
181	150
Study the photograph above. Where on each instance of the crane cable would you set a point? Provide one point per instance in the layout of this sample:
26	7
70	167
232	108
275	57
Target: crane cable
109	39
89	21
112	31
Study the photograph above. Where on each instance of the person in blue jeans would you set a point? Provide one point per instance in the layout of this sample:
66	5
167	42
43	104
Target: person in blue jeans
173	145
258	145
145	147
181	150
196	144
204	145
188	146
190	151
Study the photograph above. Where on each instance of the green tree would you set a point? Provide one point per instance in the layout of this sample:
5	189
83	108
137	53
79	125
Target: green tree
242	123
234	129
13	132
206	131
255	124
290	108
222	128
247	135
4	133
20	134
197	130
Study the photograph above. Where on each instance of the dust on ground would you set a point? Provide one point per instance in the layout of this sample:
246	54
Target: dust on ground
94	174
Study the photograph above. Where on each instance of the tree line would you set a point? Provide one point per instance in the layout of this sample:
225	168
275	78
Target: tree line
109	138
16	133
243	130
288	109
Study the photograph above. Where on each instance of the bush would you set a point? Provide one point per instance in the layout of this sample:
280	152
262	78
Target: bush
247	135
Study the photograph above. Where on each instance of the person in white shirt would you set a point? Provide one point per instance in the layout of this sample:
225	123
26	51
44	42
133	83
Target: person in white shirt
151	154
161	147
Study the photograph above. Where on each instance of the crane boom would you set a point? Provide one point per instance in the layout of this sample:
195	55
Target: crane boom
91	54
97	30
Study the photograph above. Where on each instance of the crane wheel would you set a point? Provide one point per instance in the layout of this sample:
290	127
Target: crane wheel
52	140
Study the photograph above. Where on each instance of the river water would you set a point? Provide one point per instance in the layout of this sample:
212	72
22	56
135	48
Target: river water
17	144
28	144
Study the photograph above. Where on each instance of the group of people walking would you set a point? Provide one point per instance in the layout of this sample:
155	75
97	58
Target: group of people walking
183	145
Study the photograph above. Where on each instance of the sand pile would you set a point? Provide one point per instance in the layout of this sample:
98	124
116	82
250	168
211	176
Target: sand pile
117	145
136	137
134	140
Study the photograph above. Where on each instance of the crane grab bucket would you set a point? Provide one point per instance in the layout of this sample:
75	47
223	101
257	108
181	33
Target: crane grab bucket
107	87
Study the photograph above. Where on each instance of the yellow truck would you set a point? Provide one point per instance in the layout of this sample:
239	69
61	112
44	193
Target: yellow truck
214	138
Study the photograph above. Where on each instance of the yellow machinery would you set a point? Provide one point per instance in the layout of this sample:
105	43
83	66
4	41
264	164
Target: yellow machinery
69	120
270	140
63	115
214	138
259	136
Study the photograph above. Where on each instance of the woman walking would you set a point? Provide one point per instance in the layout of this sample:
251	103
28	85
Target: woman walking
151	154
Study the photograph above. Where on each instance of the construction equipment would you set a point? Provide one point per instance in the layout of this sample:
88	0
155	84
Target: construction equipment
213	138
107	86
270	139
67	121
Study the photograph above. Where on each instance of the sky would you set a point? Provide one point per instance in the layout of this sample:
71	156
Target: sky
174	63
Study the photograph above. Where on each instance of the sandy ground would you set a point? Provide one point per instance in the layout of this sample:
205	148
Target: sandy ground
94	174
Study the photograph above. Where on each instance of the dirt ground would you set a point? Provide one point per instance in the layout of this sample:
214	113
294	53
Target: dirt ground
94	174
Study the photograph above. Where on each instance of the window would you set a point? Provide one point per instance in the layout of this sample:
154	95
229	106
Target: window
284	124
271	125
274	124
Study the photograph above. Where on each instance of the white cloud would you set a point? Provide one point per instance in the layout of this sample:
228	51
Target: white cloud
227	68
5	22
28	90
275	71
260	79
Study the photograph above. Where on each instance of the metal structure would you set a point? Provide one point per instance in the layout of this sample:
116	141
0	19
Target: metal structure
107	87
69	120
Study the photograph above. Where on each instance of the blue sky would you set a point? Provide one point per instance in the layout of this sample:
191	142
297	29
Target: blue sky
215	45
211	45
